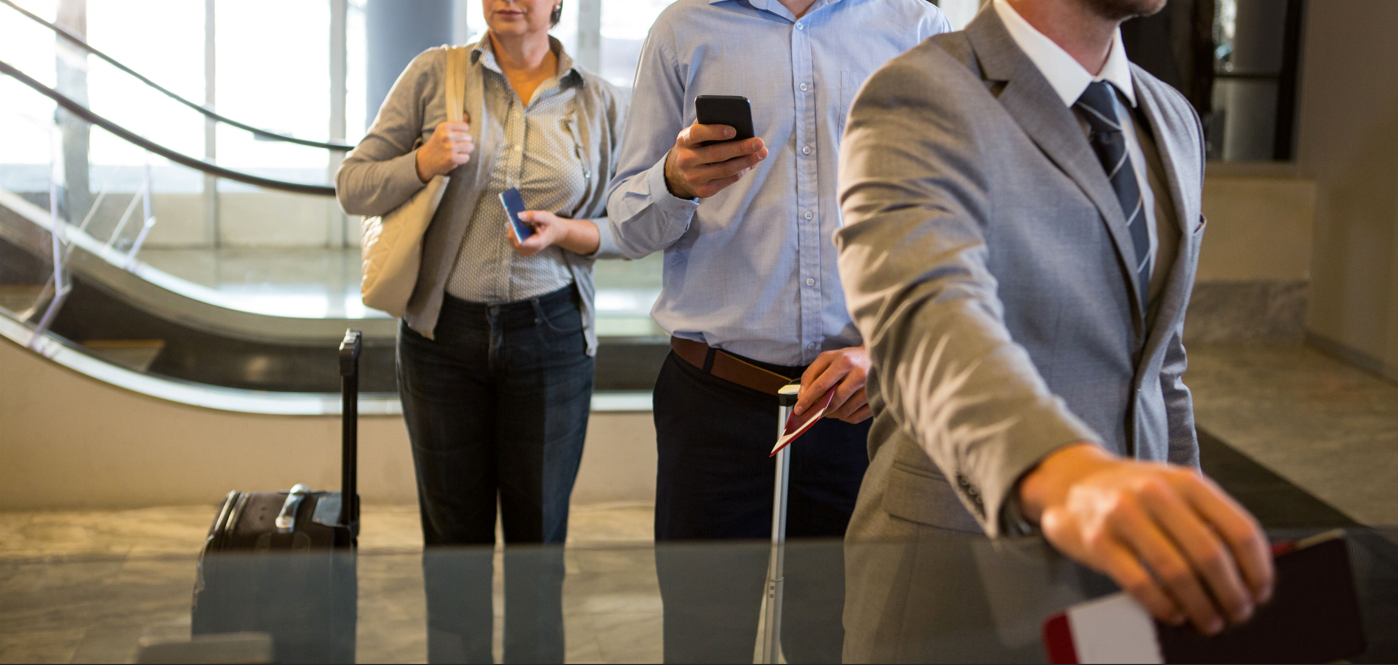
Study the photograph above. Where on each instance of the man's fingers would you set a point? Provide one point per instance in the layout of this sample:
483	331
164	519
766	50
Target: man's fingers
722	170
808	377
863	414
1205	551
845	390
1132	526
728	150
696	133
1121	565
816	389
853	404
813	391
1238	529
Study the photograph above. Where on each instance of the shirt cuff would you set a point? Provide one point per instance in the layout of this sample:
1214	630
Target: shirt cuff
1012	519
669	205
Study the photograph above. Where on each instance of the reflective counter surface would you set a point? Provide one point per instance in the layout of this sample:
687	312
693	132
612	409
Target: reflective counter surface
948	599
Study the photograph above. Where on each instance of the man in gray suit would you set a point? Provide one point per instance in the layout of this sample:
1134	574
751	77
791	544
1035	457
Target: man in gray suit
1023	226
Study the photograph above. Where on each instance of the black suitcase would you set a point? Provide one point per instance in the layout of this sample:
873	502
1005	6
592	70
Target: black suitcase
283	563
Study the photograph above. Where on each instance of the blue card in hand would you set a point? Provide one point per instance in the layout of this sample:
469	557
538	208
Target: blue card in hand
514	204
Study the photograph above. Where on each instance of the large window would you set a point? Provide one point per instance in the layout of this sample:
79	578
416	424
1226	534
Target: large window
1236	61
625	24
1254	96
273	72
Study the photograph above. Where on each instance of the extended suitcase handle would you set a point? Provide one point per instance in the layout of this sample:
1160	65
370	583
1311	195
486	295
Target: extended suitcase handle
350	348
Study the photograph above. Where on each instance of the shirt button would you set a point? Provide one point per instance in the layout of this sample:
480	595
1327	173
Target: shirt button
809	215
806	150
812	345
800	25
803	87
810	281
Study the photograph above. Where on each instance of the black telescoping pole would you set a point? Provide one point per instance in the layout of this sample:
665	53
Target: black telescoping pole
349	453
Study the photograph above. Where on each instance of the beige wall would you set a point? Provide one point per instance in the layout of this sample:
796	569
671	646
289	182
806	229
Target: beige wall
1349	147
67	441
1259	228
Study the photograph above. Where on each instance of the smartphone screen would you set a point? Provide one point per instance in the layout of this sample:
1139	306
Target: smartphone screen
730	110
514	204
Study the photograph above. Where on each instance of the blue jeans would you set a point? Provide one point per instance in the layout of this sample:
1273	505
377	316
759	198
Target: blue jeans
496	407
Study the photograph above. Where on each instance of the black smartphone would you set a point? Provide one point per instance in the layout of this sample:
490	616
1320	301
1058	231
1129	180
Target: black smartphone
730	110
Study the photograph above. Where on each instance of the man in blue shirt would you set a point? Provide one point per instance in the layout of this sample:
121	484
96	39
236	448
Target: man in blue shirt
751	293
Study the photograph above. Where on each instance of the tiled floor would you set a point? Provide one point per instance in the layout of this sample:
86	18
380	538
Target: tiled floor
88	586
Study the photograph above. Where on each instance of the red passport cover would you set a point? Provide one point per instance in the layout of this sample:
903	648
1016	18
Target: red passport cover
795	426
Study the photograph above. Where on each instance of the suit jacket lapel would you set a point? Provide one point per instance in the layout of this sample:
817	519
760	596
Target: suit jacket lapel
1178	284
1039	111
1150	103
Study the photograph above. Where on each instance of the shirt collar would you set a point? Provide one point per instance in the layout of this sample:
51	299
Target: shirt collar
484	53
1068	78
766	5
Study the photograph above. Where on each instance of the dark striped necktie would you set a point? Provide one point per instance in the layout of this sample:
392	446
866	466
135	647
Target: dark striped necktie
1098	105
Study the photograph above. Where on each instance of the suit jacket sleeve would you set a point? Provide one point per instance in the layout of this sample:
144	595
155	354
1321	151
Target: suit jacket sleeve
915	192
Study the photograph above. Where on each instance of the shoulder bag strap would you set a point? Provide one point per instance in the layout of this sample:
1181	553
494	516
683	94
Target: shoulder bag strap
455	88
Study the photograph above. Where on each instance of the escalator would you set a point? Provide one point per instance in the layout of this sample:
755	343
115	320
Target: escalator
78	269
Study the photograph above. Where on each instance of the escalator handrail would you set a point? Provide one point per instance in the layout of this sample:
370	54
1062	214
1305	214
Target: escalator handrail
262	133
179	158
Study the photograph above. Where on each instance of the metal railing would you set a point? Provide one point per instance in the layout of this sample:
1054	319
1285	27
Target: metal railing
209	113
182	159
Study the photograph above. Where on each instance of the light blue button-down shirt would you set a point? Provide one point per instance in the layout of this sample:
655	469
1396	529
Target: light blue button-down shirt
752	270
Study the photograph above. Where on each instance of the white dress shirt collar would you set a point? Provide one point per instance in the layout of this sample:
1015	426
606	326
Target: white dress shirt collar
1068	78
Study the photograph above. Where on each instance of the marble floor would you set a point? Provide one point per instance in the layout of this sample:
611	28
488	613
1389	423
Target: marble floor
1324	425
89	586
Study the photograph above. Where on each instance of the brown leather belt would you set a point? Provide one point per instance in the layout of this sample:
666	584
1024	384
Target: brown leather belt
728	367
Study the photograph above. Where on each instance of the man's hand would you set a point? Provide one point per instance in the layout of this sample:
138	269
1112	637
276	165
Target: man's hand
695	171
1167	535
575	235
848	368
450	146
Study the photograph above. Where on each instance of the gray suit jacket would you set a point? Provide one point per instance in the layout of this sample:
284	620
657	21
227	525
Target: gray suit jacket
985	261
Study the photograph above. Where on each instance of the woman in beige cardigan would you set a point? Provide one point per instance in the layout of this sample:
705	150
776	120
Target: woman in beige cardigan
495	353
